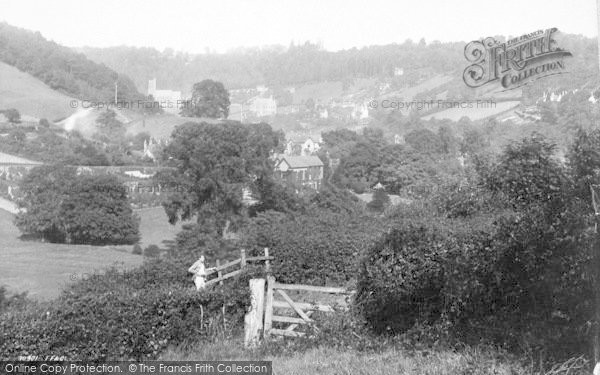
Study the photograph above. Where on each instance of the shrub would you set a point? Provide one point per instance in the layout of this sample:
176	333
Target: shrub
318	247
131	315
137	249
62	206
516	283
195	240
402	270
152	251
380	201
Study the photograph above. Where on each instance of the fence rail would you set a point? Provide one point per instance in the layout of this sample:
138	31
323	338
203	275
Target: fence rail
242	261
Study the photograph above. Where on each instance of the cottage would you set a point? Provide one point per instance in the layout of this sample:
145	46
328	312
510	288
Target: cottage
301	145
262	107
300	170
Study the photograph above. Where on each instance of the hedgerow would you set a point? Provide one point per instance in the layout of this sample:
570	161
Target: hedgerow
124	315
317	248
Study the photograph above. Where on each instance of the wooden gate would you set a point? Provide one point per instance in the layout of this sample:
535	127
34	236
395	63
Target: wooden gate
301	312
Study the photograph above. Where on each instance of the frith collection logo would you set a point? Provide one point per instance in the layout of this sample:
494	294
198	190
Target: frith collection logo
516	62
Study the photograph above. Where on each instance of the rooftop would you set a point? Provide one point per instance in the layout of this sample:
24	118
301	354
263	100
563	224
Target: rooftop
302	161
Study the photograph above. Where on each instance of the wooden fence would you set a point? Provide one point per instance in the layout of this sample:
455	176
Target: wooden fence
266	311
242	262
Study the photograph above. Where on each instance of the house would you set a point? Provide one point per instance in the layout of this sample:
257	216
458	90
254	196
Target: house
300	170
169	100
360	111
301	146
323	112
262	107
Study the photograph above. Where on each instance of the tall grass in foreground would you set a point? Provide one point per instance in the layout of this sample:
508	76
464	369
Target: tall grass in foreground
328	361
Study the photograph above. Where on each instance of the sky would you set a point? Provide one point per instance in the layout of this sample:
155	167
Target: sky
198	26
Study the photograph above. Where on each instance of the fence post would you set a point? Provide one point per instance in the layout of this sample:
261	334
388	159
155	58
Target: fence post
267	261
269	306
219	272
243	258
253	321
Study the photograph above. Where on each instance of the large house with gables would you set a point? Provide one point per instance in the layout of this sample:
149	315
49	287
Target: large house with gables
300	170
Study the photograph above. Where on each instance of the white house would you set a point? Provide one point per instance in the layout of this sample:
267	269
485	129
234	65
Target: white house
169	100
262	107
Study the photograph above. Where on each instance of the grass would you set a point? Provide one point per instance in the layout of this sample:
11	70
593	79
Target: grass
30	96
409	93
44	269
161	126
474	113
155	227
330	361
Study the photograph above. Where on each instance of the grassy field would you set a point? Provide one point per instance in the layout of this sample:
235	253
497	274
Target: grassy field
31	96
409	93
154	226
44	269
328	361
474	113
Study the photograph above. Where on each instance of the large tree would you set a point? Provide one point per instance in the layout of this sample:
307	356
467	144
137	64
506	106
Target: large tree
61	206
209	99
213	163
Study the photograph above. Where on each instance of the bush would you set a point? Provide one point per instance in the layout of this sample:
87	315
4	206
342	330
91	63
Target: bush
62	206
137	249
152	251
401	279
319	247
132	315
380	201
515	280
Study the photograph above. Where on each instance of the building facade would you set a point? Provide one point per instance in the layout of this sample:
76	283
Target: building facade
170	101
300	170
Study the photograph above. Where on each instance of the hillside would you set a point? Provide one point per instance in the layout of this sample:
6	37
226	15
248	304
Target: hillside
61	68
275	66
31	96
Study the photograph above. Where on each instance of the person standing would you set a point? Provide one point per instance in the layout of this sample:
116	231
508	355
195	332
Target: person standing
199	271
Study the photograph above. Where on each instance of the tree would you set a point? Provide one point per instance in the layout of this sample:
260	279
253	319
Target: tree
44	123
62	206
13	116
214	162
209	99
424	140
380	201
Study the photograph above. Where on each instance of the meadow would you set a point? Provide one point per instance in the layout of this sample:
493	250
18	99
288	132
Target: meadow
31	96
43	270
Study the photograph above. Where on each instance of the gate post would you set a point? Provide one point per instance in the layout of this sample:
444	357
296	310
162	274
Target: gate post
269	306
253	321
